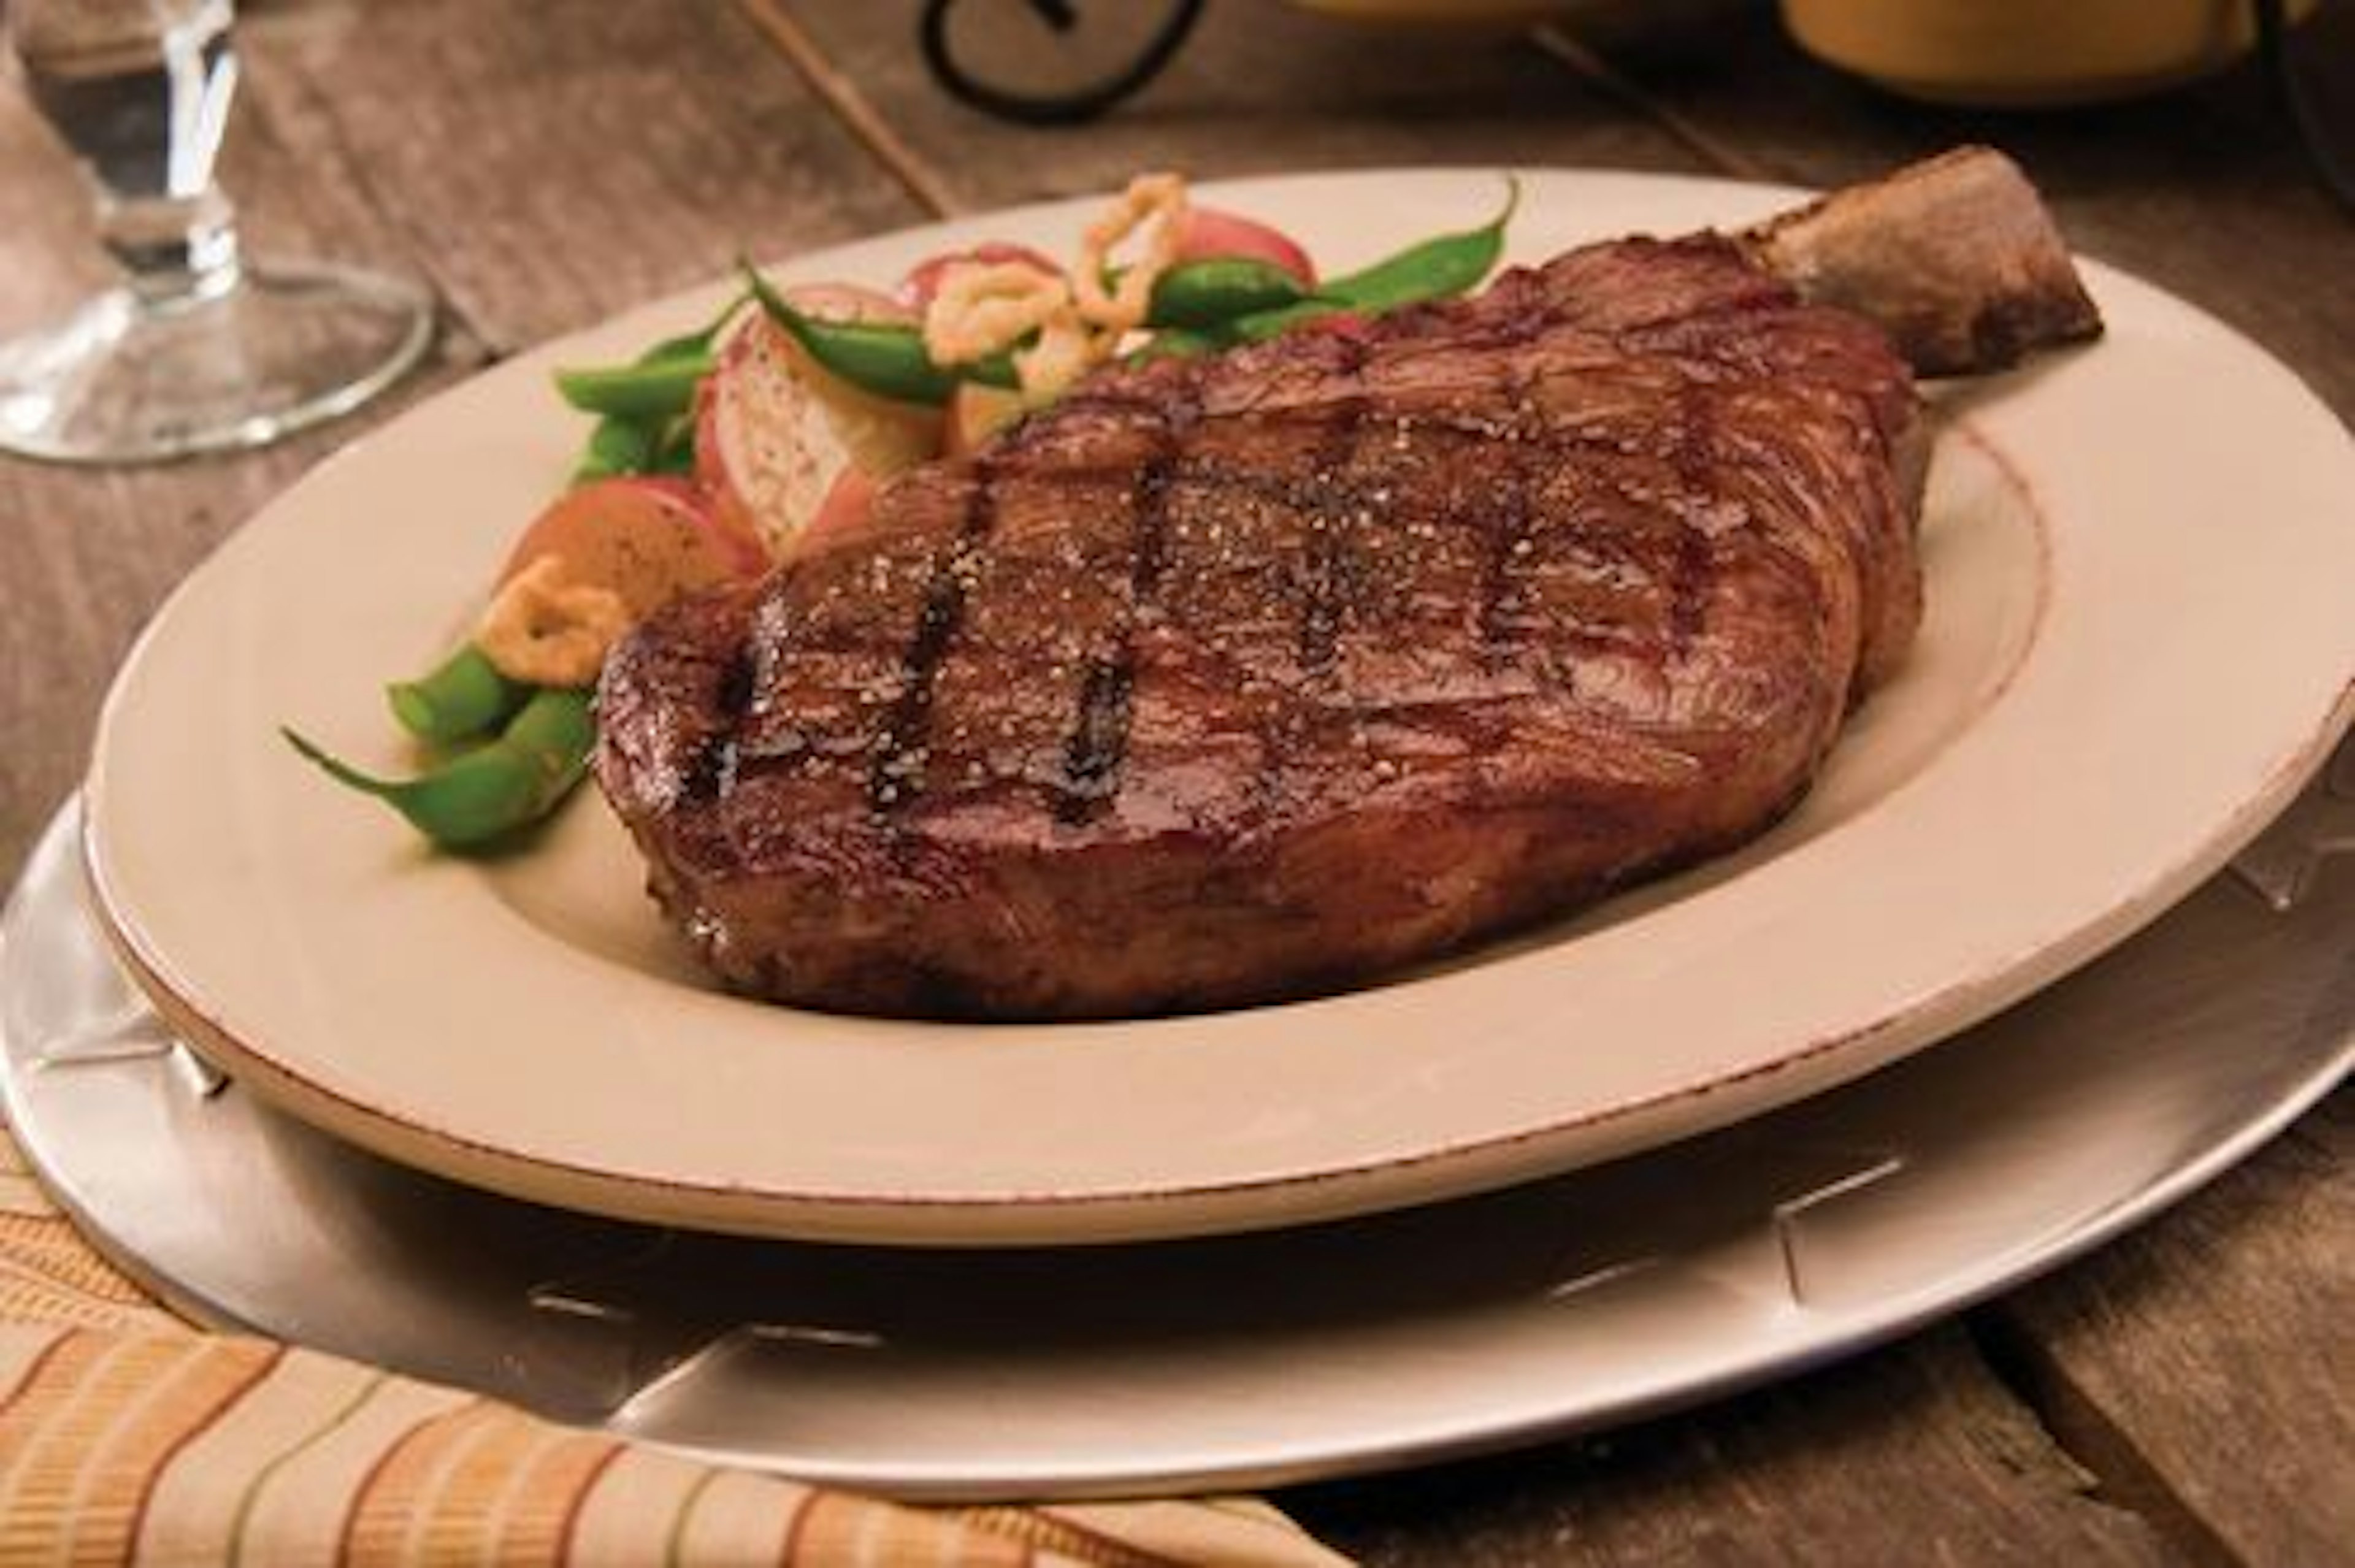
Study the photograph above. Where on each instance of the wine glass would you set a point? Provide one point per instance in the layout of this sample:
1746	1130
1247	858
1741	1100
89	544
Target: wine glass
195	349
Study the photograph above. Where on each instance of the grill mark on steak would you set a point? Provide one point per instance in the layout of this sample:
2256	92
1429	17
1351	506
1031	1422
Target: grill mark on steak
1506	546
1336	509
1099	740
896	774
1329	504
1689	560
1098	743
1505	550
712	773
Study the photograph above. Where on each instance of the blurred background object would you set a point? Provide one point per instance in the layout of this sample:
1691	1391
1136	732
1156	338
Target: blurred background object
2027	53
1046	62
1066	61
2312	60
2031	54
1452	13
1062	61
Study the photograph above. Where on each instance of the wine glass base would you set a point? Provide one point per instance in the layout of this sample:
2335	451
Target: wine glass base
122	380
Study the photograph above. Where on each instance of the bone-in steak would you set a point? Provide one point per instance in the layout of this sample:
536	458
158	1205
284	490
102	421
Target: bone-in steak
1246	677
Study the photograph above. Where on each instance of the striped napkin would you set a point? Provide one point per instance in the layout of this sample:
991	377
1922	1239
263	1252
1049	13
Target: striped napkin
128	1437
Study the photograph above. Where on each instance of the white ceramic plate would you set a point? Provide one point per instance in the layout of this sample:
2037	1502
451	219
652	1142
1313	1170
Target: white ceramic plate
2139	641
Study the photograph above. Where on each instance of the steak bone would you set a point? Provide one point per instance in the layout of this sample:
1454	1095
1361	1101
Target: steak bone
1955	258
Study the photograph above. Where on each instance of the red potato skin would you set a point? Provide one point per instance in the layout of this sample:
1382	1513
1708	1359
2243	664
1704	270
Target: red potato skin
647	537
791	422
732	533
1209	232
846	505
729	512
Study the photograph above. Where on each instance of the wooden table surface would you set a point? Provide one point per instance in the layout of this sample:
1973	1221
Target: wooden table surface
2185	1395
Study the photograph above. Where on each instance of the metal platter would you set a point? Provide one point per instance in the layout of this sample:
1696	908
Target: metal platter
1589	1299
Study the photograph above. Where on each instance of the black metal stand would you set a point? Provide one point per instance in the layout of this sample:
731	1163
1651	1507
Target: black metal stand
1070	105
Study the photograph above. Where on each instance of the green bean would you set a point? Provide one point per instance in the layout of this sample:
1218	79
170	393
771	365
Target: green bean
481	796
672	447
463	696
658	383
1216	290
1438	268
616	446
651	388
696	345
646	405
887	359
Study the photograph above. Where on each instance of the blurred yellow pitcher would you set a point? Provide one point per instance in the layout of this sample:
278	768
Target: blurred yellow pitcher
2024	53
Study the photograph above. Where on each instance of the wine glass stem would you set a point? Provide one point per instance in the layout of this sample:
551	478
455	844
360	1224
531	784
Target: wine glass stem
149	130
173	250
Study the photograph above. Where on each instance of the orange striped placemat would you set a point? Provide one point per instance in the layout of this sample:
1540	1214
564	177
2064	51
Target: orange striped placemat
129	1436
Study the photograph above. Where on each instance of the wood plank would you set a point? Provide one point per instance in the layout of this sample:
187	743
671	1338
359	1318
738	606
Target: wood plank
1914	1454
85	557
2205	1367
2203	191
551	164
49	242
1257	88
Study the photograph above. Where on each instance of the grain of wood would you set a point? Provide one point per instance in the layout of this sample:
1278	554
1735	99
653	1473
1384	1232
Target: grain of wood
49	240
553	164
1911	1455
849	102
2200	1367
2206	1368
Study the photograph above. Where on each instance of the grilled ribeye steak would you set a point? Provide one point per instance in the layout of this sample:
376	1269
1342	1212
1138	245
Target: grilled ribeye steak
1253	675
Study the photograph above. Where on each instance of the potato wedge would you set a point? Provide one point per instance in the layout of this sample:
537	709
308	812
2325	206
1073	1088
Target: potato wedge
600	557
775	430
646	538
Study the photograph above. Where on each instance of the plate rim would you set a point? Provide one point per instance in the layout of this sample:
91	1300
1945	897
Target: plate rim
2001	1265
1113	1213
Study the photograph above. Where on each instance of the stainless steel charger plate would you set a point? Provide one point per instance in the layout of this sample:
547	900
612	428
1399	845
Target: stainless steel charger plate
1578	1302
